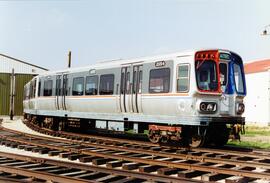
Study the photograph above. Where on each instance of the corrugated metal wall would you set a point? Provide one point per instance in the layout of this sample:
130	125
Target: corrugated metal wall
7	64
20	81
4	93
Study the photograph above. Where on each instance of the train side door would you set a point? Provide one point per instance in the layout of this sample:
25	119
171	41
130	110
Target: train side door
137	88
58	97
64	91
125	88
61	92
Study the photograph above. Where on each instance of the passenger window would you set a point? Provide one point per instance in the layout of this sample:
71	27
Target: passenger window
91	85
39	88
48	88
106	84
140	82
58	87
134	81
34	88
128	83
78	86
159	81
183	78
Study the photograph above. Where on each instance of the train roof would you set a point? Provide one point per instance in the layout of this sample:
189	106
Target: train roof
119	62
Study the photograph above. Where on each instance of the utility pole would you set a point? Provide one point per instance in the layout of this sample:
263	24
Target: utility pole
12	94
69	59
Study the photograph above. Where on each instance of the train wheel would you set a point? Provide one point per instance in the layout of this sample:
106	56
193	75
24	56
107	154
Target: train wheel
196	141
154	137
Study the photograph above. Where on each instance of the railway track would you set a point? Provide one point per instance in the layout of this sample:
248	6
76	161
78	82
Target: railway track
174	148
205	164
15	167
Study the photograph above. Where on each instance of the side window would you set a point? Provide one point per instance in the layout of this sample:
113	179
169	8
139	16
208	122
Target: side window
137	86
78	86
223	70
106	84
91	85
134	81
58	87
140	82
183	78
48	88
39	88
159	81
34	88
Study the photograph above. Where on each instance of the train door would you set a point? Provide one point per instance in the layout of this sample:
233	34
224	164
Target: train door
58	98
125	87
224	77
61	92
137	89
64	91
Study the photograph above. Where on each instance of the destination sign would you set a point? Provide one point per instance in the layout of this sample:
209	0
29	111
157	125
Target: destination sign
224	56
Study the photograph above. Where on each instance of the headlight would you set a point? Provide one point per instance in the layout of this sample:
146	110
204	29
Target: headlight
240	108
208	107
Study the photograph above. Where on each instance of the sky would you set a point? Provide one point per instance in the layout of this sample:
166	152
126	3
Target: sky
42	32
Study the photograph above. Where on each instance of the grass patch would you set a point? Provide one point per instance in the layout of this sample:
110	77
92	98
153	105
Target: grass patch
251	144
257	137
255	130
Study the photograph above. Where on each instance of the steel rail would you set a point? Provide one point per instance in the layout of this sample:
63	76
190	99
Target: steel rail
42	175
180	165
201	158
118	172
255	154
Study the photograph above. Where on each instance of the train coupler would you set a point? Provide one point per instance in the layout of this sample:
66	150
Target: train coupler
236	130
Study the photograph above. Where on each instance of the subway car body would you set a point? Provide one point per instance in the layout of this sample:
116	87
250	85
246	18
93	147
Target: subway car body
193	97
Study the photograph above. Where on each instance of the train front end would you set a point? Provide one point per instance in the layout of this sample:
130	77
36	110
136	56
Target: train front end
219	97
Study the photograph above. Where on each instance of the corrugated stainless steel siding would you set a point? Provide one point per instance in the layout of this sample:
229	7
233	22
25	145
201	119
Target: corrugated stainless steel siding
20	81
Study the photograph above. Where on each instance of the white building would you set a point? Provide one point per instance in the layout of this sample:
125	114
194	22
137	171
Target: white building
257	100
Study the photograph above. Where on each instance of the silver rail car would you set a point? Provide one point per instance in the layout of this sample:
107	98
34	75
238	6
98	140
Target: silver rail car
192	97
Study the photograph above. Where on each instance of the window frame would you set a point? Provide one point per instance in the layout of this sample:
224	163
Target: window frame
240	70
97	84
227	76
39	88
83	83
99	89
188	77
216	67
45	81
149	90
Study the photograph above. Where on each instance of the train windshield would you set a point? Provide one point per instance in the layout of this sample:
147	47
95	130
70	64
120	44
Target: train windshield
206	75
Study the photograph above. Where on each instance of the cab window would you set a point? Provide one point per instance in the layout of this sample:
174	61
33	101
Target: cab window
223	69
